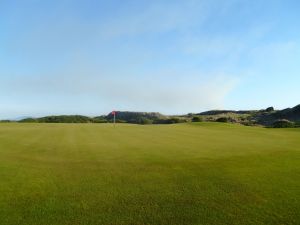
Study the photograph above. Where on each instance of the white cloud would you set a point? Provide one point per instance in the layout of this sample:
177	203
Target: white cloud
161	93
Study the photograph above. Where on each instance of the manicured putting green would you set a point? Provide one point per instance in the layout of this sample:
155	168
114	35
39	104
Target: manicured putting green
200	173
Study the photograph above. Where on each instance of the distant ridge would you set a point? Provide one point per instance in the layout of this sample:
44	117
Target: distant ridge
217	112
291	114
264	117
135	116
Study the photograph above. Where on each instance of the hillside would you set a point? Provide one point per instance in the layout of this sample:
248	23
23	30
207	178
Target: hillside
292	114
59	119
265	117
135	117
122	117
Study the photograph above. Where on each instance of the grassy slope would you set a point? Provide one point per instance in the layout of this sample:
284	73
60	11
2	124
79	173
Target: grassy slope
203	173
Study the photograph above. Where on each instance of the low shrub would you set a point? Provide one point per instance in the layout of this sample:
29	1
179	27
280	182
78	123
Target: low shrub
29	120
145	121
197	119
283	124
270	109
170	121
5	121
222	120
249	123
297	124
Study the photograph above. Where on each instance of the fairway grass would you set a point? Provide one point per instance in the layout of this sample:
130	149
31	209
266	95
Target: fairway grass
185	174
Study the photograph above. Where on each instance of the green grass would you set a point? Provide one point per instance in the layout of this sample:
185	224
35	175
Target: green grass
200	173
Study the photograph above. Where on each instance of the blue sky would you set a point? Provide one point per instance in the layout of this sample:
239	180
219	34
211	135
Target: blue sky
91	56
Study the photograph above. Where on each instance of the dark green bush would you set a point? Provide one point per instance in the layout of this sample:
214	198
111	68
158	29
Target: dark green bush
270	109
222	120
5	121
145	121
197	119
170	120
99	120
65	119
248	123
283	124
28	120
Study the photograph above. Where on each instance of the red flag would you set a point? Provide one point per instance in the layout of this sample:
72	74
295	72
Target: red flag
113	113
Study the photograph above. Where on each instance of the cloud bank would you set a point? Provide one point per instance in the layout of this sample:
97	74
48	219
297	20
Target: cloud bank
101	94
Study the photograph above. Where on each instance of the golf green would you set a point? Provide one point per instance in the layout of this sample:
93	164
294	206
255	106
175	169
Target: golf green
197	173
